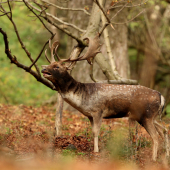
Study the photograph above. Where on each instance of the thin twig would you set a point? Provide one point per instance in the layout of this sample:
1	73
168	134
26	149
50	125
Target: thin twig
41	52
119	11
9	1
81	42
14	60
10	9
104	13
57	19
101	8
103	28
130	19
69	9
115	3
5	14
20	41
129	6
38	17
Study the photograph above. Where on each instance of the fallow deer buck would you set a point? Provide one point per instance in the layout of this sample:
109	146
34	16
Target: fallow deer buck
98	101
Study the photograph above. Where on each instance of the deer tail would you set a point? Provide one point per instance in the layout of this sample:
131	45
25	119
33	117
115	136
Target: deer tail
161	107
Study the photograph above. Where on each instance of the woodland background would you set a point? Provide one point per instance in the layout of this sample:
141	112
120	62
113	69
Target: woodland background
146	58
140	45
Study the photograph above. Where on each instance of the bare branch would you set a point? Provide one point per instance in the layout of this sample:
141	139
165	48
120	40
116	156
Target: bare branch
57	19
19	39
38	18
109	51
129	6
130	19
10	9
103	28
114	3
69	9
101	8
61	28
65	31
119	11
27	69
40	52
10	1
104	13
5	14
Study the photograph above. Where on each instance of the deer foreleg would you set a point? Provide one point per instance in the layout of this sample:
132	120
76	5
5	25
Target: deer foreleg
96	124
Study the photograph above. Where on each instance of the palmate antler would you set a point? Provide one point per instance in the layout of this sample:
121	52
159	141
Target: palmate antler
93	49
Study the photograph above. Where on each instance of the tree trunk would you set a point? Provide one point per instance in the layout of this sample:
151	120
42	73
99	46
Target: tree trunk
119	46
53	11
152	52
149	67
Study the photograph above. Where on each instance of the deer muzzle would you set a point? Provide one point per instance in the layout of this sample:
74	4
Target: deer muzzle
44	71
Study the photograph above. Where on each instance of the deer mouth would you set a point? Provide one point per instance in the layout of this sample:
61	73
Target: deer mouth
46	74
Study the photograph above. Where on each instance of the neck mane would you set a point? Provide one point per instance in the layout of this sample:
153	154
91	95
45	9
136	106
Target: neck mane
66	83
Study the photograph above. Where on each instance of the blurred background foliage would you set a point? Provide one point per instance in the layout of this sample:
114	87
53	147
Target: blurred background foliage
19	87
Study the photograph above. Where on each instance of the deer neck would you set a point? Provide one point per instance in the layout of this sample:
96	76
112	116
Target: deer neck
66	84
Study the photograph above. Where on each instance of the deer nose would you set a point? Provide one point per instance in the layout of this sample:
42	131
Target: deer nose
43	70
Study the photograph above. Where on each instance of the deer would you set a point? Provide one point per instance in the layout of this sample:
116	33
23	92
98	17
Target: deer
99	101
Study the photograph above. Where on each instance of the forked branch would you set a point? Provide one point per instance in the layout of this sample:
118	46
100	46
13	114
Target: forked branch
18	36
55	18
14	60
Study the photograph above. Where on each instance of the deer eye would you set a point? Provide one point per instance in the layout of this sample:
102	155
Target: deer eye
56	68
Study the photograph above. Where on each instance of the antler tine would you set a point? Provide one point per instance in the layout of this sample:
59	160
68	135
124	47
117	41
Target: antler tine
50	43
46	56
52	55
71	65
52	48
93	49
58	58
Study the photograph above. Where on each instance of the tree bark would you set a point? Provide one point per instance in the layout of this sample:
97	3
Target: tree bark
92	30
53	11
119	46
152	52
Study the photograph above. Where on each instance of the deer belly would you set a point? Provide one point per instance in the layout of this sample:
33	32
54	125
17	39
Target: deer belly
116	115
116	110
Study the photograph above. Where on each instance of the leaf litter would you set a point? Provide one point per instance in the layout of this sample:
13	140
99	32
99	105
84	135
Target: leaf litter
28	130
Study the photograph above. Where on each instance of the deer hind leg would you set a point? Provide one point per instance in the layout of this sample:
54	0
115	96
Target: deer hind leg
163	132
96	124
150	128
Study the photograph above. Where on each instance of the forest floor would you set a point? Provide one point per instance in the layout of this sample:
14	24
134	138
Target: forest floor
27	140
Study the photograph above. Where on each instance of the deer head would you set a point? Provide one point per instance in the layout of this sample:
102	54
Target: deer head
58	69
